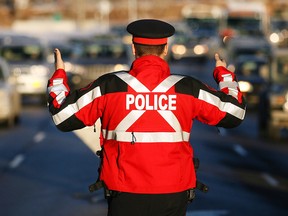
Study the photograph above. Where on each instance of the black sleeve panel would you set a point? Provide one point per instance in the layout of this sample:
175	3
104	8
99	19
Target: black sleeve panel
66	125
108	83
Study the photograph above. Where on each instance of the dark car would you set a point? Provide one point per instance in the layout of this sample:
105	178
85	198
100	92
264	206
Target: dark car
255	45
253	75
273	109
196	38
187	46
99	55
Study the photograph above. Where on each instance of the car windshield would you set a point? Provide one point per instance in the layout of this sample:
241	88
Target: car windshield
253	69
203	27
113	51
245	25
22	53
278	25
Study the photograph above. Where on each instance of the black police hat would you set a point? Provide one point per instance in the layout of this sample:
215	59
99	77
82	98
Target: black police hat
150	31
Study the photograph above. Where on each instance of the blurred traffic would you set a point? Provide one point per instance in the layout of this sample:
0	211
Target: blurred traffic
251	36
245	167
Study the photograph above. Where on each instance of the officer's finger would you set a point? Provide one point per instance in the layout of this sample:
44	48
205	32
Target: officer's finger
217	57
59	64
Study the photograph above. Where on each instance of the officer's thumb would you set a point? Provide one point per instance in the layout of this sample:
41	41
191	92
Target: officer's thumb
219	61
59	64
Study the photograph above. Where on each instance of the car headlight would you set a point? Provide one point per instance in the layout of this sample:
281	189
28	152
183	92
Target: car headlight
200	49
245	86
274	38
179	49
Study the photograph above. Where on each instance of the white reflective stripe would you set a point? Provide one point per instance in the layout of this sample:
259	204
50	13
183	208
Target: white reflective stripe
147	137
223	106
166	84
60	97
232	87
171	119
129	120
227	77
57	88
74	108
57	81
233	92
132	82
228	84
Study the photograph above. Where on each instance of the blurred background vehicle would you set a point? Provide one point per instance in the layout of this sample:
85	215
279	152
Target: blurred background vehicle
253	75
246	18
10	99
250	57
27	57
186	45
273	109
199	35
98	55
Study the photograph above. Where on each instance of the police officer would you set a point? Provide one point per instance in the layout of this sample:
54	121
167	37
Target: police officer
147	115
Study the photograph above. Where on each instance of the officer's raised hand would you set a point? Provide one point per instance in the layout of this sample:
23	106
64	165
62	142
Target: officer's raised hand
59	64
219	61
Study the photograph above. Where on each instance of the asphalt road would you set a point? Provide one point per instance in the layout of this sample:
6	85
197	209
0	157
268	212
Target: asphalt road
47	172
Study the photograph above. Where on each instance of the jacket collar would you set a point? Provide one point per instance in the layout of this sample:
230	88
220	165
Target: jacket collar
150	64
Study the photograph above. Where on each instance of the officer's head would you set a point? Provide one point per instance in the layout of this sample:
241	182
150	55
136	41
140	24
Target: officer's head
150	37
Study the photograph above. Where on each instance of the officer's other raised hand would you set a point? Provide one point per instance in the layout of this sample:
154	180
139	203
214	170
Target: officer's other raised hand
219	61
59	64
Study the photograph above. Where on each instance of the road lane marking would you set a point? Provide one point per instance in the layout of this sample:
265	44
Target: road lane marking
240	150
17	160
207	213
39	137
268	178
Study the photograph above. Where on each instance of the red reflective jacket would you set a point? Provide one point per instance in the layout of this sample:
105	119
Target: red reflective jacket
146	117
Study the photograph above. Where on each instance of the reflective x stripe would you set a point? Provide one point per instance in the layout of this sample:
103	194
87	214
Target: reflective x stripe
120	133
223	106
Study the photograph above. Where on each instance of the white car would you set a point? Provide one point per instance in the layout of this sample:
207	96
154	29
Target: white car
10	99
27	58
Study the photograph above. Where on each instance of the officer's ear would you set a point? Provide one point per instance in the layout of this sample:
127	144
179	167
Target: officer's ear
165	50
133	50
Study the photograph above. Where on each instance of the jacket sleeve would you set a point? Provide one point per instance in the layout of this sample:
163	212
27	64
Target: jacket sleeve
76	109
225	107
